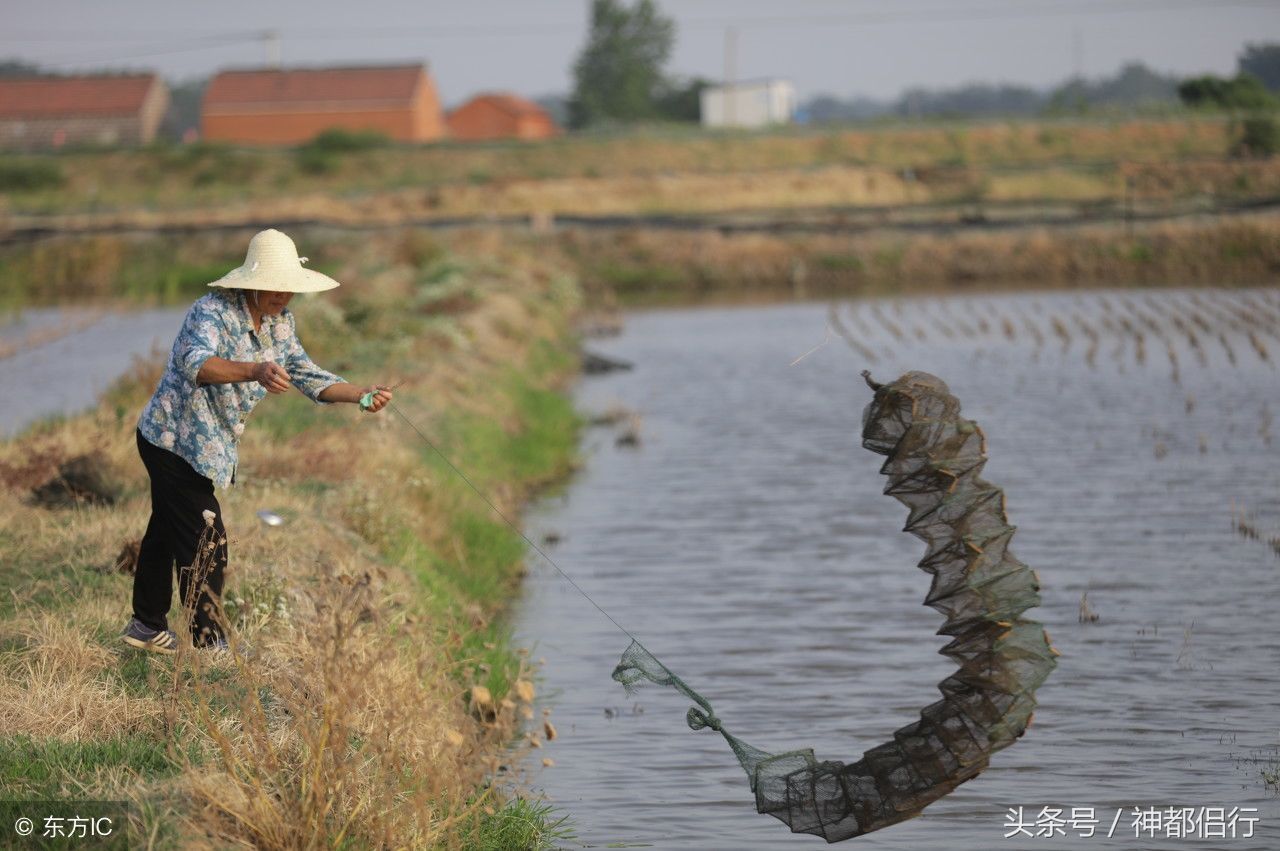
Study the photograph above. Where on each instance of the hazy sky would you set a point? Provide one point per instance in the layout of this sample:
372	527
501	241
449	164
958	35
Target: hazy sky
845	47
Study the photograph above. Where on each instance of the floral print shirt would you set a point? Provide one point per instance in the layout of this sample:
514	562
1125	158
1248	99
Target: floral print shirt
202	423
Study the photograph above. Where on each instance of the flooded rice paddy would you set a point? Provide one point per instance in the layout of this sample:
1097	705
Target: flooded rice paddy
56	361
746	541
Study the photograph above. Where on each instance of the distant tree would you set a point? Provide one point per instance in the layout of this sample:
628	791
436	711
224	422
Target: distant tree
1263	62
557	106
1070	97
1243	91
824	109
1259	137
1206	91
970	99
619	73
681	100
1133	85
829	109
20	68
184	108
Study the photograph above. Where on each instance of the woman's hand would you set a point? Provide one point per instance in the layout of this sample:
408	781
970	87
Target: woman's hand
271	376
381	396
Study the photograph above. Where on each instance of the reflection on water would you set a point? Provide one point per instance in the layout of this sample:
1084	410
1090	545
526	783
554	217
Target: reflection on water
746	541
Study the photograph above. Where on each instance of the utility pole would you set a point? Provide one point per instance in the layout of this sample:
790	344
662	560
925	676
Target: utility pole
730	75
1077	53
271	44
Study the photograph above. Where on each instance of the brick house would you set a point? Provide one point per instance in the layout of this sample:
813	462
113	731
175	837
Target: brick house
40	113
500	116
285	107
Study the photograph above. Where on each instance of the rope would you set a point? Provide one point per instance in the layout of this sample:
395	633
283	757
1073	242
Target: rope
510	524
632	668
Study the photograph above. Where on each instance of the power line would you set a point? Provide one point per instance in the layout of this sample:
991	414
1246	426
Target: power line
953	13
460	30
163	49
950	13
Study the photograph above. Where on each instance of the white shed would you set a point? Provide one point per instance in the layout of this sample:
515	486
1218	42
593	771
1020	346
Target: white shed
751	103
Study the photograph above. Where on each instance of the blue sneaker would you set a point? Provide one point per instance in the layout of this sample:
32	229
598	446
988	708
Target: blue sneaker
137	634
220	648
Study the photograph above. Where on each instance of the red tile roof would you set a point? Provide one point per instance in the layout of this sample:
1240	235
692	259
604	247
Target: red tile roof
48	97
259	88
511	104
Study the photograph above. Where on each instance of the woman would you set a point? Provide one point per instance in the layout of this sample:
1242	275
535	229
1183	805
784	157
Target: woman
237	344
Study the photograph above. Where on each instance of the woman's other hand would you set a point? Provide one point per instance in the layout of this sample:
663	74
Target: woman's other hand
271	376
381	396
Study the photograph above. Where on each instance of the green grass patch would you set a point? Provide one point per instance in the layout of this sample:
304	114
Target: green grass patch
481	560
491	661
323	154
534	452
72	270
633	278
316	161
339	141
144	674
289	415
840	262
888	258
51	768
1140	252
50	584
523	824
486	552
29	175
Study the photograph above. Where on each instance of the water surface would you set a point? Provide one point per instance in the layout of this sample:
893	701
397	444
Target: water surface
747	542
56	373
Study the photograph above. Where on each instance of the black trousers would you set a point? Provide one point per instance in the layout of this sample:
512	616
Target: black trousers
179	498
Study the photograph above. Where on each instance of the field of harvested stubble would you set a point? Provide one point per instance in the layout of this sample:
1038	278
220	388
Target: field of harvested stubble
1185	346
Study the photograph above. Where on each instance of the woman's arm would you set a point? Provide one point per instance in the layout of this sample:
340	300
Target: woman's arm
320	384
343	392
272	376
216	370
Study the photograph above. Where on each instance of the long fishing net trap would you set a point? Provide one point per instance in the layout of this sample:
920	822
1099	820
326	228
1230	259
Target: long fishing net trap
934	466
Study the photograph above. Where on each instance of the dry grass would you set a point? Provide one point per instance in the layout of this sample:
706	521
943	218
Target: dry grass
656	265
687	173
569	196
1247	526
58	684
1149	186
345	728
349	721
1053	183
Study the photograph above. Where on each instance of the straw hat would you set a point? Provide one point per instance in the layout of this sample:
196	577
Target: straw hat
272	263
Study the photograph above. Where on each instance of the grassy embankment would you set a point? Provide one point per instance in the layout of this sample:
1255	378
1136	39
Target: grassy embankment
646	266
1142	163
880	209
372	613
652	267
